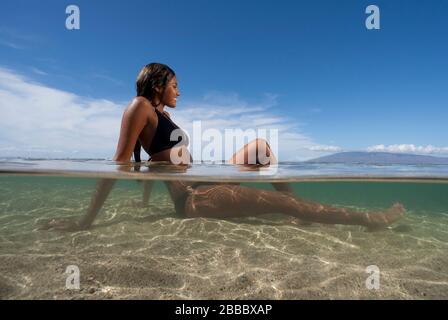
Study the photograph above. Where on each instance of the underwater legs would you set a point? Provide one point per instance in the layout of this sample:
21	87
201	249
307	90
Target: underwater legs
224	201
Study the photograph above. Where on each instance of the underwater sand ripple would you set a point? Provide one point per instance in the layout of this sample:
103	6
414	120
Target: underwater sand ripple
148	252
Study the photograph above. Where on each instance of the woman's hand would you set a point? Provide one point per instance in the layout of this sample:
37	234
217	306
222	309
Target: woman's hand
62	225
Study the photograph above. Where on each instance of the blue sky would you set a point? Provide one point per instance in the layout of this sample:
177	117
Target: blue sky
311	66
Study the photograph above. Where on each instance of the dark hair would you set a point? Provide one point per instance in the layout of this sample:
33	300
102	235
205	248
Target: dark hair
151	76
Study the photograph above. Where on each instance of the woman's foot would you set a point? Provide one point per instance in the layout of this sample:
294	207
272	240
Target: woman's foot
379	220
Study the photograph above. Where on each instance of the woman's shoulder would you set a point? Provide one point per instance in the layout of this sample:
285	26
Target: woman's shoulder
141	101
142	105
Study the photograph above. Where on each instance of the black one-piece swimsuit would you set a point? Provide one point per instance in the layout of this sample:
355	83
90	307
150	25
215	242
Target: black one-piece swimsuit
179	190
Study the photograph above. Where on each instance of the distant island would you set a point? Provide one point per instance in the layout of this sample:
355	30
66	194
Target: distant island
381	158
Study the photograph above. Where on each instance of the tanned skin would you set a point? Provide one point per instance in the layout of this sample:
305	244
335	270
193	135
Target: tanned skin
140	121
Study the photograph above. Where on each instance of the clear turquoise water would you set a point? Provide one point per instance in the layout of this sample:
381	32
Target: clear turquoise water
147	251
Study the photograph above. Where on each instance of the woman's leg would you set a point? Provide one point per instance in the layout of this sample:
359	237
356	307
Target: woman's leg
258	152
147	188
224	201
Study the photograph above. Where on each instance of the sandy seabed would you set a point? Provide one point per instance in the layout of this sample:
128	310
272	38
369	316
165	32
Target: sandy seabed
135	252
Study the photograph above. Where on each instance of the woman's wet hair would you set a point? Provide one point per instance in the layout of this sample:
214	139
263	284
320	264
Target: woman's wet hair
151	76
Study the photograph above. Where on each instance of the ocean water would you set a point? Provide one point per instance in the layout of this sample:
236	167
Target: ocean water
146	251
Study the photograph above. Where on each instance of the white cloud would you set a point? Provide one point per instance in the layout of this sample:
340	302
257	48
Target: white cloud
19	40
326	148
217	111
39	121
107	78
10	44
408	148
39	72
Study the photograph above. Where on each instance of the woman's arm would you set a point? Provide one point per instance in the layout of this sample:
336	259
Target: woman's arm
137	115
135	118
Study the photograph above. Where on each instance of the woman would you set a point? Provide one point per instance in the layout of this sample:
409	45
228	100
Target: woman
146	124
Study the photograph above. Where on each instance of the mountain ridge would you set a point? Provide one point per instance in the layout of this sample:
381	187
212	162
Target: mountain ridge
364	157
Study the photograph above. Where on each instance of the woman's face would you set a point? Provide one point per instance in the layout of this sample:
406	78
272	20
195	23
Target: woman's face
171	93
